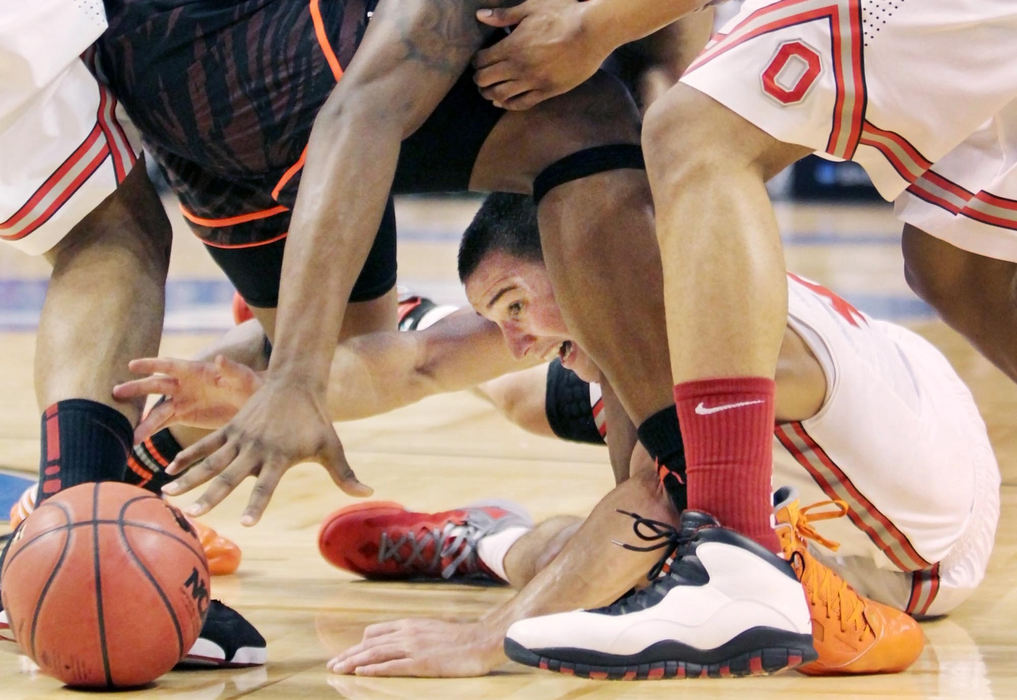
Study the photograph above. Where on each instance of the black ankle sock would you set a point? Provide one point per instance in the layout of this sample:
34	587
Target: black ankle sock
82	441
146	465
662	438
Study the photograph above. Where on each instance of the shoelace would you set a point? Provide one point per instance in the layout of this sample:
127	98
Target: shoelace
842	602
453	538
651	530
673	543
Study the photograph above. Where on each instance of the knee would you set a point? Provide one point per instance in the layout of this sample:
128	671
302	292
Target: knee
670	129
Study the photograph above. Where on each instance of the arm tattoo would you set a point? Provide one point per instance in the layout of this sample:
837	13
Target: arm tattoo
440	35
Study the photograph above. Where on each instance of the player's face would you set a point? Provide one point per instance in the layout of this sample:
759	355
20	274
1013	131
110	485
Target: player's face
516	294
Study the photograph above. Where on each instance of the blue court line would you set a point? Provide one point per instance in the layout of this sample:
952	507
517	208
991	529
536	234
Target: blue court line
11	487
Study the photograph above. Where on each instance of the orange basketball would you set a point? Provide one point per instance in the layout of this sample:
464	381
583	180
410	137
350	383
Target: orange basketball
105	585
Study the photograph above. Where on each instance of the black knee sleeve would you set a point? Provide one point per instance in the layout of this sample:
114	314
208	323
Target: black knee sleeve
570	407
586	162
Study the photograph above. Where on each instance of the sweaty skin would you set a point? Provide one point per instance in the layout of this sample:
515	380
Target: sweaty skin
564	564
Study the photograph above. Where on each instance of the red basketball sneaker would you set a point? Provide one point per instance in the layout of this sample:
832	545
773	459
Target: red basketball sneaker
852	633
382	540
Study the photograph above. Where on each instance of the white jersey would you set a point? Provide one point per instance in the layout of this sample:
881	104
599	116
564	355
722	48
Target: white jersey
64	143
900	440
921	93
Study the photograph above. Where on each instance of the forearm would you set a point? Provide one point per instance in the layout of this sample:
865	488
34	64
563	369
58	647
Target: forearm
380	372
617	22
591	570
343	191
621	435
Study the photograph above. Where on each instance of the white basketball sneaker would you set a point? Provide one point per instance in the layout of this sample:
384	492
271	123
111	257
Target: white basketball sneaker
724	607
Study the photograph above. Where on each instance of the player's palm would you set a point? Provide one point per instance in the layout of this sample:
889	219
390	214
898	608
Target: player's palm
430	648
196	393
282	424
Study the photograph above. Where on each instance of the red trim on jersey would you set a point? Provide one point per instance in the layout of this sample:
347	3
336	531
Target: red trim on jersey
951	187
842	306
924	588
910	169
124	157
996	201
921	189
828	476
855	42
757	24
931	197
52	183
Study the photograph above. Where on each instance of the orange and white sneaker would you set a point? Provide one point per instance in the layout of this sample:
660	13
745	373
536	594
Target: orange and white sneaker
852	634
381	540
223	554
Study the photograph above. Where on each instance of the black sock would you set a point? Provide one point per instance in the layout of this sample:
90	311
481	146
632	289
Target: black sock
146	465
662	438
82	441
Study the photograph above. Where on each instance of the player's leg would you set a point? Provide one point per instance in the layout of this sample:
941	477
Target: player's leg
596	229
960	238
725	292
103	307
976	295
535	550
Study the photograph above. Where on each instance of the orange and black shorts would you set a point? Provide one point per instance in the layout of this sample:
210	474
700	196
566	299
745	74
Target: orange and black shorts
225	95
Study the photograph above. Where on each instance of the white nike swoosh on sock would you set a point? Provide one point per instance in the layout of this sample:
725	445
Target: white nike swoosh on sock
702	410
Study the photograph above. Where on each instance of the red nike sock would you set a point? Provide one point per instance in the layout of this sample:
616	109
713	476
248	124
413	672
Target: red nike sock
727	427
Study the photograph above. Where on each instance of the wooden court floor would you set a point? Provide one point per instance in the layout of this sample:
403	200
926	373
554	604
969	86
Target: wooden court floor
450	450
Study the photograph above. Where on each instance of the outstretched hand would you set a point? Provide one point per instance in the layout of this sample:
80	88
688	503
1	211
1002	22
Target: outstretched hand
549	52
199	394
282	424
428	648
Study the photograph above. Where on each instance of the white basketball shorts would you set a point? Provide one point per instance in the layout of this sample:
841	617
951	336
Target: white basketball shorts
919	92
65	145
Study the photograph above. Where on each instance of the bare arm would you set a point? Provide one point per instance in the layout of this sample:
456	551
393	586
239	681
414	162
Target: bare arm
379	372
370	374
621	435
557	44
412	53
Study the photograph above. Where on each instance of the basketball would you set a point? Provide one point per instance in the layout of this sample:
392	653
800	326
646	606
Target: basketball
105	585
